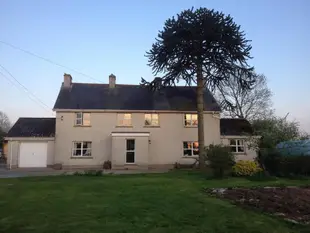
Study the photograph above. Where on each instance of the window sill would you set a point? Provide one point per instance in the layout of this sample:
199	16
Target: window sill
191	126
123	126
151	126
82	126
81	157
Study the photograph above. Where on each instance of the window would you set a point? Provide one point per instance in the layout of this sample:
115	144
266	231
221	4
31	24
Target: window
124	119
82	119
151	119
130	151
190	120
81	149
190	148
237	145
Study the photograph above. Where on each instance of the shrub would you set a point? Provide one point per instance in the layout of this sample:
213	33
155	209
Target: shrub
76	173
245	168
88	173
286	165
220	159
261	176
270	160
93	173
107	165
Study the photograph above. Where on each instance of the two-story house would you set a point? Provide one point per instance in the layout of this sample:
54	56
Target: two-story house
129	125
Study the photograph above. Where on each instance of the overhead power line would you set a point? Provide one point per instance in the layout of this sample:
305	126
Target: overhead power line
49	60
30	95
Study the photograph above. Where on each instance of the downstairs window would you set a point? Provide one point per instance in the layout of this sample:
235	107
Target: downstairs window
190	149
81	149
237	145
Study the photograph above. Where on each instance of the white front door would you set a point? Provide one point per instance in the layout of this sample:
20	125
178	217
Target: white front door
33	154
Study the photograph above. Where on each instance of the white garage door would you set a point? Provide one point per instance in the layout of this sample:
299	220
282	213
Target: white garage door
33	154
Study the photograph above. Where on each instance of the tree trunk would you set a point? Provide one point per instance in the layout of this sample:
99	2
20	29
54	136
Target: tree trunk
200	108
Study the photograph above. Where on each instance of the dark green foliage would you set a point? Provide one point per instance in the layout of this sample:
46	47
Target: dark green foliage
220	159
261	176
201	40
285	165
107	165
203	47
274	130
88	173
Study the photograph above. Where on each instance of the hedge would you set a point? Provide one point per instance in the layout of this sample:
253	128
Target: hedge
285	165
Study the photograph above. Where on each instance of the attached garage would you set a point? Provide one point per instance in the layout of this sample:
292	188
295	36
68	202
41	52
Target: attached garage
32	154
31	143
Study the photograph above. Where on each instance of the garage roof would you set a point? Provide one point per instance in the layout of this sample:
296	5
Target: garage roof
33	127
237	126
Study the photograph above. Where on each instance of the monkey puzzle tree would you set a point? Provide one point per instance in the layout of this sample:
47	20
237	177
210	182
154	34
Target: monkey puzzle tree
204	47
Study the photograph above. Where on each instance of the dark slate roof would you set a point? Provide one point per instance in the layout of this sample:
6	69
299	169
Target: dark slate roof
33	127
131	97
235	126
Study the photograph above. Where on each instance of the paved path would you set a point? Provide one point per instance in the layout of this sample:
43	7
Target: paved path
4	173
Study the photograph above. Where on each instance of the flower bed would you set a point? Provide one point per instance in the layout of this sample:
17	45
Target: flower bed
291	203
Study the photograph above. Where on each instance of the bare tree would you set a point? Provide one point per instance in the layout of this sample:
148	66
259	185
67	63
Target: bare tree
5	123
237	102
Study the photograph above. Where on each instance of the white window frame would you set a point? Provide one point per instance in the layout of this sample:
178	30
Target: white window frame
134	151
192	149
74	148
236	145
81	118
153	119
191	119
121	119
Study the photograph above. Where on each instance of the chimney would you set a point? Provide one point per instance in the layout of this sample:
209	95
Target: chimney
112	80
67	80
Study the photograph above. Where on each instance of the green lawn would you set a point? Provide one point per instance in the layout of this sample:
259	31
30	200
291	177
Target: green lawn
155	203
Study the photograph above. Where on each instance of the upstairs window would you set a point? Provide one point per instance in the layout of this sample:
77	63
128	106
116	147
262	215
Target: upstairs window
124	119
151	119
82	119
237	145
190	120
190	149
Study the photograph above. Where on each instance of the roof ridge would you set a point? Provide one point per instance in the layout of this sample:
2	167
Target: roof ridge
227	118
125	84
37	118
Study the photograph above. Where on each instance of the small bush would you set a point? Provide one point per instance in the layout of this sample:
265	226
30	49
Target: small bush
107	165
93	173
245	168
88	173
77	173
220	159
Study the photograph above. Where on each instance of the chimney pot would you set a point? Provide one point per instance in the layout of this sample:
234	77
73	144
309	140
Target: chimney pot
67	80
112	80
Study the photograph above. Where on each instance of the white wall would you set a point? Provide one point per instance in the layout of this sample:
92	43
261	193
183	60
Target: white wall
249	153
166	141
